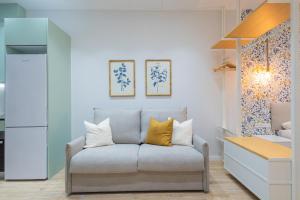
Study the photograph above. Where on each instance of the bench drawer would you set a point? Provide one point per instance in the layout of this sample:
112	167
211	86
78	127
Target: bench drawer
267	179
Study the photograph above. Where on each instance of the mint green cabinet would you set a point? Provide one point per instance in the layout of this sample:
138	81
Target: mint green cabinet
59	96
41	33
7	10
26	31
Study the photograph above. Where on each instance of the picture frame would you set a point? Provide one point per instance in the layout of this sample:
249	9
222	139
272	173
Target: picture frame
158	77
121	78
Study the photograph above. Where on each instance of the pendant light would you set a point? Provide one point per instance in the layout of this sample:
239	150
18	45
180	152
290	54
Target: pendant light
262	74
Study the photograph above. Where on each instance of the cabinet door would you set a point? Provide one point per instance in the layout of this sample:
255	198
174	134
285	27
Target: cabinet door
25	153
26	90
26	31
2	52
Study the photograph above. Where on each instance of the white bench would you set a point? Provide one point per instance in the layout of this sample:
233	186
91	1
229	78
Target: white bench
262	166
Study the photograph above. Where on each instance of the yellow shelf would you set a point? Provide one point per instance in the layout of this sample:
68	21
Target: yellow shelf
228	44
266	17
225	66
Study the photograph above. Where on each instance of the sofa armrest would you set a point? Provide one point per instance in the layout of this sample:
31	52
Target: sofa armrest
202	146
72	148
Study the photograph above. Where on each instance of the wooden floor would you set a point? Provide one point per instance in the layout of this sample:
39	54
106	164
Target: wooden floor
222	186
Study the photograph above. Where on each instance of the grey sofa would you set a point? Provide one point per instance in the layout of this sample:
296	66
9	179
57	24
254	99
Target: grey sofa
130	165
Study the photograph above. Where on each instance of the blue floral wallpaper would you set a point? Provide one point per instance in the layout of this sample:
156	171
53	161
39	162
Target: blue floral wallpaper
256	98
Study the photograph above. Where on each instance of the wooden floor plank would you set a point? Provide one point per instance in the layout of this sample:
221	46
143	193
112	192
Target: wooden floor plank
223	187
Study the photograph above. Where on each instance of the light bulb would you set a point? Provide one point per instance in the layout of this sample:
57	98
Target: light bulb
261	76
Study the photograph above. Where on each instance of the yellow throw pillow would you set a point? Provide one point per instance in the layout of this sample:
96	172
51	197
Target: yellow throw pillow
160	133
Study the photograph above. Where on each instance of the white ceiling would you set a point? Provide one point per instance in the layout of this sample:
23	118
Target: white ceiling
131	4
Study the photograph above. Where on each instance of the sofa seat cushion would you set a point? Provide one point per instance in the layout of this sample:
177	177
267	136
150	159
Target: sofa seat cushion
118	158
169	159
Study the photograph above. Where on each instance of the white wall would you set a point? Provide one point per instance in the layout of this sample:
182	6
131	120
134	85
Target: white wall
230	101
184	37
230	91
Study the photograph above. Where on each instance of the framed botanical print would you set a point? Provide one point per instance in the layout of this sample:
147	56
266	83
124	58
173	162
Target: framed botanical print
121	78
158	75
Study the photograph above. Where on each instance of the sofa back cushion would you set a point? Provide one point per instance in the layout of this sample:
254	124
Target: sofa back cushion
161	115
125	124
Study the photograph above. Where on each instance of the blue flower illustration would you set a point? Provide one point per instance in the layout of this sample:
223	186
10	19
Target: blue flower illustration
158	76
122	78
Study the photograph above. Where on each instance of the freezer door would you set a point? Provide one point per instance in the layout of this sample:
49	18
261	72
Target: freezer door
25	153
26	90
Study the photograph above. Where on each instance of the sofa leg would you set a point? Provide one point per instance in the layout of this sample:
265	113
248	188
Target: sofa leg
205	182
68	191
68	183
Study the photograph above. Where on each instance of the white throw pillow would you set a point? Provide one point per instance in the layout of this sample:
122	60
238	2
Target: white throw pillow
98	135
182	133
285	133
287	125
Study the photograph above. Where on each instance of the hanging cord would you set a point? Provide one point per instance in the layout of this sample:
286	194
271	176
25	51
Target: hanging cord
267	55
223	32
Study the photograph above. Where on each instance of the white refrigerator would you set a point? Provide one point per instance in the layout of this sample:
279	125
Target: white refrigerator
26	117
